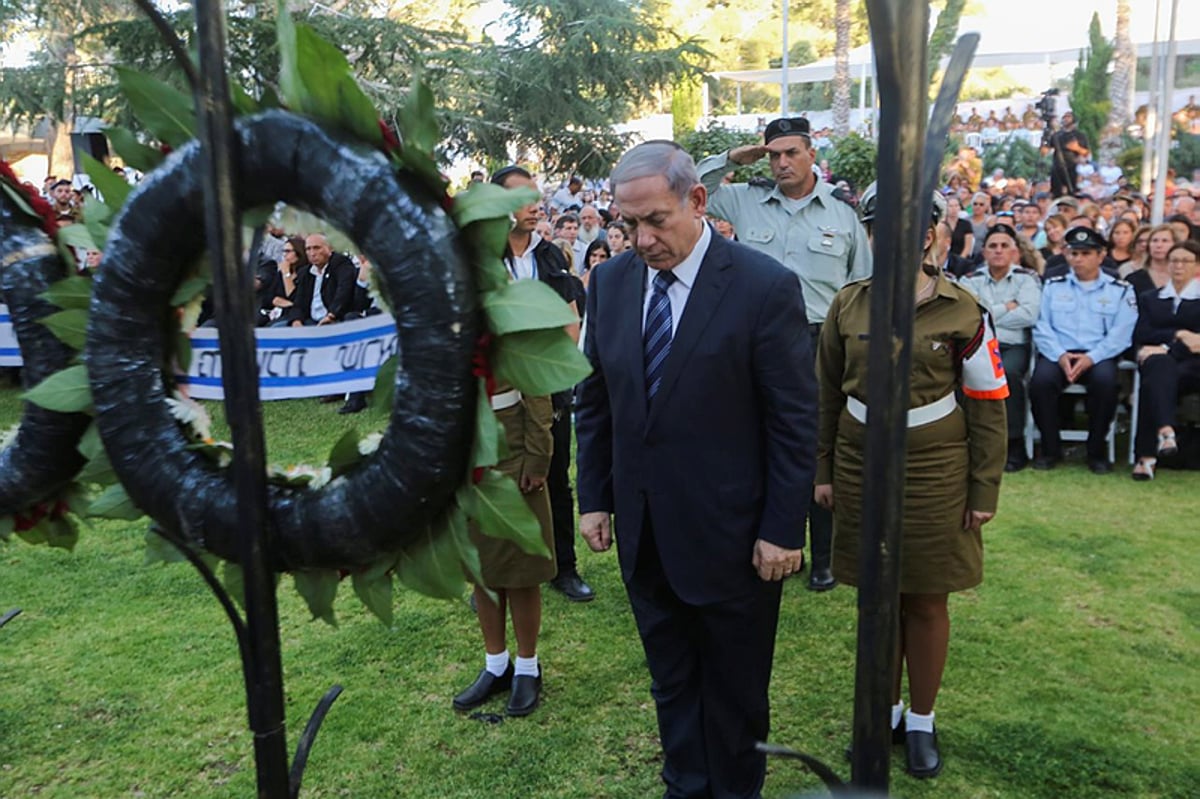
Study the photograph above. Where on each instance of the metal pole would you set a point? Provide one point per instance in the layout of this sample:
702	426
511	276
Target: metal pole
783	81
898	33
1165	122
234	295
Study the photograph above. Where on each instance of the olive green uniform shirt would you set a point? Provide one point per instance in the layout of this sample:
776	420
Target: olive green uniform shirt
943	327
818	236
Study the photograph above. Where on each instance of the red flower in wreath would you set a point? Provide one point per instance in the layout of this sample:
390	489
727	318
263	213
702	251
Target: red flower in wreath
40	207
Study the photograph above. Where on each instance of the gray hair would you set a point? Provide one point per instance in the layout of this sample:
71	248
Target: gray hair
658	158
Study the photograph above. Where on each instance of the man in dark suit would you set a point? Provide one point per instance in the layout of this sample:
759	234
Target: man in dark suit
325	292
697	429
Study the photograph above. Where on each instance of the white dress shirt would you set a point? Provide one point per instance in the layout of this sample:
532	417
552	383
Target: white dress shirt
685	277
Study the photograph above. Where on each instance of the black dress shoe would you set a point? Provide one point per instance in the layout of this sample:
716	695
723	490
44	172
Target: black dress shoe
572	586
1016	464
924	759
526	691
356	404
1098	466
486	686
1045	462
821	579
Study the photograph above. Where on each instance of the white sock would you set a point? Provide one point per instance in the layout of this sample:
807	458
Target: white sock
497	664
526	667
897	713
915	722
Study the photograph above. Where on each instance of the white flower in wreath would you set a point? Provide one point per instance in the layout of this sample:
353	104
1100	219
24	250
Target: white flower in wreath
369	443
9	436
191	415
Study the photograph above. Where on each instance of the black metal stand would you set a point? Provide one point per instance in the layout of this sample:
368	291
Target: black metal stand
7	617
904	190
233	296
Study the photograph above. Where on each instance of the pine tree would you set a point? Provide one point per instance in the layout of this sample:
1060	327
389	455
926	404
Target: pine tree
1089	93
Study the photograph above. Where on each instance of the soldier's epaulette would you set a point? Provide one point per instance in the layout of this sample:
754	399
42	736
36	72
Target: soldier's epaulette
1024	270
761	183
1058	279
1122	282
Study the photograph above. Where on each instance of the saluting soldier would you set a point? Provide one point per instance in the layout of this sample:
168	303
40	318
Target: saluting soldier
1086	322
798	221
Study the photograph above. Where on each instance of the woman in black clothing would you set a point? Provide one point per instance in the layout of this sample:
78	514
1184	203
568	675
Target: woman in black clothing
1120	242
1167	342
278	294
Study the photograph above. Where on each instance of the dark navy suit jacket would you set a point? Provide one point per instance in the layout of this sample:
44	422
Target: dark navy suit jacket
726	454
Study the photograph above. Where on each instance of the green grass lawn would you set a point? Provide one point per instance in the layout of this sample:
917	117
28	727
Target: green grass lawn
1072	672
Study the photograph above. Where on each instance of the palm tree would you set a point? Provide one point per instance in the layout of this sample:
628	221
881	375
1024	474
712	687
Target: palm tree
841	69
1121	88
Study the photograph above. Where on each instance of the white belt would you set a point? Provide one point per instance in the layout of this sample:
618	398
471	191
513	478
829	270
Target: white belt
925	414
505	399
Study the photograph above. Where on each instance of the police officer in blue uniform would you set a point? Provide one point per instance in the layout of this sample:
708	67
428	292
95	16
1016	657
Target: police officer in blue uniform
1086	321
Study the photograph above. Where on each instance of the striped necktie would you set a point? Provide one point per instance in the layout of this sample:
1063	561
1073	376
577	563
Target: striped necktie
657	337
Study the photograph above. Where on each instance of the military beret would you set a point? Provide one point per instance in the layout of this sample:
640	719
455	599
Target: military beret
786	126
1084	238
1001	228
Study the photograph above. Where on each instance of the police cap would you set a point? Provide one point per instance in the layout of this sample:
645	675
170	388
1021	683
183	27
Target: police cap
786	126
1084	238
1001	228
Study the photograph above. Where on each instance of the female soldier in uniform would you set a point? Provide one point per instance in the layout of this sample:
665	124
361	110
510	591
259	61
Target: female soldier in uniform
514	576
954	463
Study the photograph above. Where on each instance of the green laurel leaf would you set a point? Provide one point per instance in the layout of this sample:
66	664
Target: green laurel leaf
112	187
160	550
76	235
485	451
418	121
90	446
188	290
316	79
66	391
526	305
98	470
344	454
70	292
539	362
114	503
496	505
96	218
374	588
319	588
61	532
432	567
164	110
385	384
483	201
133	152
234	582
468	553
69	326
19	199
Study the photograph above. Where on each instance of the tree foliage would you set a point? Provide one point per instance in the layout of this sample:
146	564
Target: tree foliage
945	33
551	90
853	159
716	138
1018	158
1090	100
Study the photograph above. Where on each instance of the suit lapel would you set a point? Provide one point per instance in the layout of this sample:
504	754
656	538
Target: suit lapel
709	288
